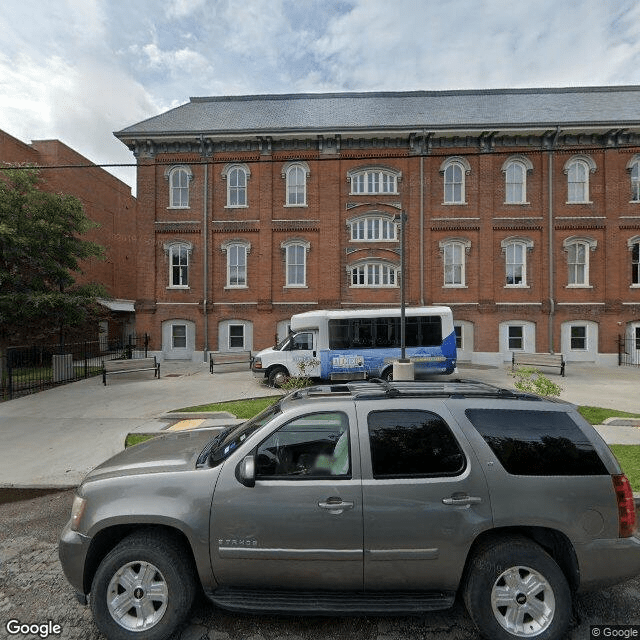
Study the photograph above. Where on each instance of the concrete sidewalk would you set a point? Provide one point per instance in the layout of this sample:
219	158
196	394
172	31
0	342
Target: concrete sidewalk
53	438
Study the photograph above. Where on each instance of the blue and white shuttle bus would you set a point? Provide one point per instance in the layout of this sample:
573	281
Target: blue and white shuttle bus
360	344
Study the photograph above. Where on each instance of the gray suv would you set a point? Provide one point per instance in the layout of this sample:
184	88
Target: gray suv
364	498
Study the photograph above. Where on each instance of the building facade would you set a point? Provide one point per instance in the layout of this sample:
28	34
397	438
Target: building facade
521	211
108	202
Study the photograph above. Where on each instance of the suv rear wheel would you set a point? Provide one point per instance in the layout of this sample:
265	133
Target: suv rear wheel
515	589
143	588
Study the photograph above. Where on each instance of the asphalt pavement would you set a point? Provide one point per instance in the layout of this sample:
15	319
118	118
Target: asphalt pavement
53	438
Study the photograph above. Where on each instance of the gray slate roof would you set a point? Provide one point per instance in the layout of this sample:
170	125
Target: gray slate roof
401	111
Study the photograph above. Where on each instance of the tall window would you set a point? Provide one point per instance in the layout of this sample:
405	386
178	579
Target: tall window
179	336
577	170
578	260
237	264
634	175
453	255
179	264
454	171
296	184
296	263
237	177
374	228
515	250
179	188
515	175
515	337
578	333
374	180
634	250
374	274
236	336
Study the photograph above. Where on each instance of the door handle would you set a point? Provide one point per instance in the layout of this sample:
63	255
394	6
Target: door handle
459	500
335	505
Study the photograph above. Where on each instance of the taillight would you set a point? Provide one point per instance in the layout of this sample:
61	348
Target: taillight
626	505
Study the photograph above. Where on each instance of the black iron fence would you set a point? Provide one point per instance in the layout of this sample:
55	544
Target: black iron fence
629	351
25	370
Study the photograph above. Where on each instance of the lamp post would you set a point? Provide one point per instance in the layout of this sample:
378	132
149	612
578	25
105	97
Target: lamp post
403	369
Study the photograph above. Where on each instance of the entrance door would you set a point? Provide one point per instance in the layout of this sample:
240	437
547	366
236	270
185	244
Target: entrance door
303	357
300	526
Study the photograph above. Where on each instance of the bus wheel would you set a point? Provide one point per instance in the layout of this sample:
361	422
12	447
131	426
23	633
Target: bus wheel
278	376
387	374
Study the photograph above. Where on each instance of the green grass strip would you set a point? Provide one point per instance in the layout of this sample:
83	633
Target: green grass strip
243	409
629	458
597	415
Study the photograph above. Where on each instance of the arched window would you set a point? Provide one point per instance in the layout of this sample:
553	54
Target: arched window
633	167
515	171
179	254
454	252
295	262
179	178
373	227
373	274
577	170
515	251
454	171
634	250
237	177
374	180
295	175
237	252
578	260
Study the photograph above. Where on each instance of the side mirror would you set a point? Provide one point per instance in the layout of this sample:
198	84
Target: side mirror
246	471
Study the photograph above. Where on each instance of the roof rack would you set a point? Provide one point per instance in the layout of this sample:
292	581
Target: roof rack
377	388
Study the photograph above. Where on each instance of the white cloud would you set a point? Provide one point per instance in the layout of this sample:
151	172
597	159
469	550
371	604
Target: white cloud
183	8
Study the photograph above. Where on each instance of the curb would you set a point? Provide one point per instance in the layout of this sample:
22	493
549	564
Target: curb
197	415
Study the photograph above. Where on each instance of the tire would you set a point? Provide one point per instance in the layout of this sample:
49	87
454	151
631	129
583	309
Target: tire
514	589
146	582
387	374
277	377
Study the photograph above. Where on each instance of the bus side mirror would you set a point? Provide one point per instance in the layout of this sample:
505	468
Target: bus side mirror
246	471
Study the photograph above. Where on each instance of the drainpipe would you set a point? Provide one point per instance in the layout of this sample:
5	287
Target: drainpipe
205	250
422	230
552	304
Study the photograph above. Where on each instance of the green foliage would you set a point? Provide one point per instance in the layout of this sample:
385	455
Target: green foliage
597	415
530	380
629	458
243	409
302	379
40	250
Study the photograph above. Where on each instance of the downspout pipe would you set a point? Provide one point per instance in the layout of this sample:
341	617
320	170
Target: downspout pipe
552	304
205	251
422	231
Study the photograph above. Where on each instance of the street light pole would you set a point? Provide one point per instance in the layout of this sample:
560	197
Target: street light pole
403	323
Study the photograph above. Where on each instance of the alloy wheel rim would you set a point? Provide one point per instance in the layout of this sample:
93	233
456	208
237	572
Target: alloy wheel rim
523	602
137	596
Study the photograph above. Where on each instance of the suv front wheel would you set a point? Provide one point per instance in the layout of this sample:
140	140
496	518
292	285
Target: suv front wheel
514	589
143	588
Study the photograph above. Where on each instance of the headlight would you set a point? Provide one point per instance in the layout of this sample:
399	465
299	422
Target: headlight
77	511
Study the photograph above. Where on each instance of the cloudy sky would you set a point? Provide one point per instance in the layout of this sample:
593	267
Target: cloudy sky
77	70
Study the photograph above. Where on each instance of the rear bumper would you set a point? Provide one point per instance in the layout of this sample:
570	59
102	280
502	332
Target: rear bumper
607	562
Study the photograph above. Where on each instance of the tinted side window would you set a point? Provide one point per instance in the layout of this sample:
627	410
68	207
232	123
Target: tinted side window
412	443
311	446
537	443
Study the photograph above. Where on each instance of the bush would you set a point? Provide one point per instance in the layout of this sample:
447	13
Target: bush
530	380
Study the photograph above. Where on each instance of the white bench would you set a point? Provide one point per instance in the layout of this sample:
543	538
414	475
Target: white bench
538	360
112	367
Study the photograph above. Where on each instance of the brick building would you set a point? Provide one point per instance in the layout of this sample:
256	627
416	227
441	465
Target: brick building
108	202
522	213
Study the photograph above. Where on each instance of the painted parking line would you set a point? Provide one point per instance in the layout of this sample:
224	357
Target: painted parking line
185	424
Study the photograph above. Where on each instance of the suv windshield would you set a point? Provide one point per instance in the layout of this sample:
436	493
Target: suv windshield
231	438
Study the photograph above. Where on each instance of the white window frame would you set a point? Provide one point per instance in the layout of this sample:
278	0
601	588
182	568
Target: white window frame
373	227
301	248
573	165
570	245
230	173
528	337
459	246
510	247
525	166
373	274
231	326
175	326
450	180
184	176
175	249
231	248
634	258
633	167
295	175
374	180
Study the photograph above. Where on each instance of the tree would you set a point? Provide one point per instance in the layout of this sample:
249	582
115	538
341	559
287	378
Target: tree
41	248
